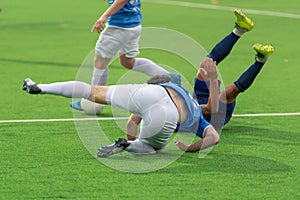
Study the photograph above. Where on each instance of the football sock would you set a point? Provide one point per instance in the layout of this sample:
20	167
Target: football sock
148	67
247	78
262	60
71	89
239	31
100	76
139	147
223	48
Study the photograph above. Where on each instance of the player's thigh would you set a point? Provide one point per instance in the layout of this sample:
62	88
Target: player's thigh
131	47
110	42
135	98
159	122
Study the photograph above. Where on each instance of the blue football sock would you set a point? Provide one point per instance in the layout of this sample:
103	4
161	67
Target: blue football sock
247	78
223	48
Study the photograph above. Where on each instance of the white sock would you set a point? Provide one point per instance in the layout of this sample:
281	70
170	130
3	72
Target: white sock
139	147
239	31
148	67
262	60
100	76
71	89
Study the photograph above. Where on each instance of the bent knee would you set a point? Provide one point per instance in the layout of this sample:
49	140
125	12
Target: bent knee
127	62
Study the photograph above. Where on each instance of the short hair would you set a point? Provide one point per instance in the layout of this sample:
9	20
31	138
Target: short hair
159	79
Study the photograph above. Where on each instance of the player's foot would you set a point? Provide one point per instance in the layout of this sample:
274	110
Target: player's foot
263	51
31	87
76	105
242	21
175	78
115	148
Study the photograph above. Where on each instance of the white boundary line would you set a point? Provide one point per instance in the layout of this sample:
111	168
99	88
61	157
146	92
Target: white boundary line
126	118
64	120
267	114
225	8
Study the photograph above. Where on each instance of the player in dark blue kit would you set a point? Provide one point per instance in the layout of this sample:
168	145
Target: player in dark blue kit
228	96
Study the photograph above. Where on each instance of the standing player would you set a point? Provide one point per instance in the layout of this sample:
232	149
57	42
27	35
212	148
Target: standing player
121	35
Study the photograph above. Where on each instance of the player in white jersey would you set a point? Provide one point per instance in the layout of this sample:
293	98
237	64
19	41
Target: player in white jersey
121	35
163	108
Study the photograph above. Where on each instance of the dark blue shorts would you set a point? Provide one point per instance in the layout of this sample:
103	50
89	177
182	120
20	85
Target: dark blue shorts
201	92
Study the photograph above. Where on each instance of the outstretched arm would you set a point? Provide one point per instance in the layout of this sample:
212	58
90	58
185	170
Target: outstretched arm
211	138
115	7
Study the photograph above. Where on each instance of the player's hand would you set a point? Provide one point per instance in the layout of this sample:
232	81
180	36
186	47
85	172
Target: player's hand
208	69
181	145
99	25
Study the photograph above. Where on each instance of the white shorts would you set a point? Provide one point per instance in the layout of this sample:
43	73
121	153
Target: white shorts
123	40
152	103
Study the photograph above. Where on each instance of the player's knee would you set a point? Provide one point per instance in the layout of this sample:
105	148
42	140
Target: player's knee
127	62
216	138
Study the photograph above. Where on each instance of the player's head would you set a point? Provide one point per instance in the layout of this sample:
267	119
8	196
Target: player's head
159	79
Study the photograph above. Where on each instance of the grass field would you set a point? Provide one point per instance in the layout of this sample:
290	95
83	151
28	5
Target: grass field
257	158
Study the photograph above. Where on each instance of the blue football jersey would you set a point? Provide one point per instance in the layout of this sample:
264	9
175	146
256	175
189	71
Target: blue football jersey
128	16
195	122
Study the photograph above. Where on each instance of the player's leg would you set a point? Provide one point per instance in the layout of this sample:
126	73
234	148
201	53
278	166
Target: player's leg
223	48
130	50
69	89
247	78
159	121
105	49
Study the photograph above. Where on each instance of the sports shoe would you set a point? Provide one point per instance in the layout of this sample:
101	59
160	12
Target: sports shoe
76	105
115	148
31	87
263	51
242	21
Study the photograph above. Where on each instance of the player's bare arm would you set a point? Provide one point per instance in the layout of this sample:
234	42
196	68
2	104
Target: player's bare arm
208	72
211	138
115	7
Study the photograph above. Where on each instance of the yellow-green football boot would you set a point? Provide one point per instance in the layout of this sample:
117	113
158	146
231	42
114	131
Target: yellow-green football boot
263	51
242	21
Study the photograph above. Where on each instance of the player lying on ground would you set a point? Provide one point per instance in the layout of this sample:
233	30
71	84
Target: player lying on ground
227	98
163	108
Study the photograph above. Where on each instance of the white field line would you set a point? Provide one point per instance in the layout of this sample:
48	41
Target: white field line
64	120
267	114
224	8
126	118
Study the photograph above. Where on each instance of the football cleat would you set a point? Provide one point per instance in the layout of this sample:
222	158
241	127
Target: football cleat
242	21
31	87
76	105
263	51
115	148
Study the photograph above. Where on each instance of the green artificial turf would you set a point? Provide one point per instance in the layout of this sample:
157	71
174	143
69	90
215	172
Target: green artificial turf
48	41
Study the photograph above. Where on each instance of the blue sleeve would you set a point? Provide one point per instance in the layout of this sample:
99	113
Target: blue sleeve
203	124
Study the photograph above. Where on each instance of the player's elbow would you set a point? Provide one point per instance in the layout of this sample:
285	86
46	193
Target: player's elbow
216	138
